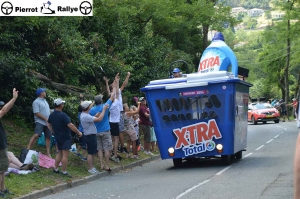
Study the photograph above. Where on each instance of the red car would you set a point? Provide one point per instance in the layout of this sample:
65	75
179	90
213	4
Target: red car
262	112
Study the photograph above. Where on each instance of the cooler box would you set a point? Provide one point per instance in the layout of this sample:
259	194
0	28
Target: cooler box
193	115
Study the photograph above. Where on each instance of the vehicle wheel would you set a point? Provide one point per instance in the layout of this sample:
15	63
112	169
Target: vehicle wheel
189	160
226	159
177	162
253	120
239	155
264	122
276	121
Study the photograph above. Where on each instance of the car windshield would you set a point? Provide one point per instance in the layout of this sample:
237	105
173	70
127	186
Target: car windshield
263	106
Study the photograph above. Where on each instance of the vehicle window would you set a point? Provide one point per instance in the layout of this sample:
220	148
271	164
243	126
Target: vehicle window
262	106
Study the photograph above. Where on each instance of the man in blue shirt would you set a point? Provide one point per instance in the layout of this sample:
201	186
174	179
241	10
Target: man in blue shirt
60	124
41	112
104	141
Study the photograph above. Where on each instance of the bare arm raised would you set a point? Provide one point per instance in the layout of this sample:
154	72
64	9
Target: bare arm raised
125	82
9	104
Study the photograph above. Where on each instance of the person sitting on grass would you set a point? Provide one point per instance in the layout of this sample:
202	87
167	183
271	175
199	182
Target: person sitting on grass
16	164
59	123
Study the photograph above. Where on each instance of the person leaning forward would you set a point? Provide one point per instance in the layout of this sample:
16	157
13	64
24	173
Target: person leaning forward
4	162
41	111
60	124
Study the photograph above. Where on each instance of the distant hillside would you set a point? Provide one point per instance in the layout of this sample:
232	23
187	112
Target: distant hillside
248	4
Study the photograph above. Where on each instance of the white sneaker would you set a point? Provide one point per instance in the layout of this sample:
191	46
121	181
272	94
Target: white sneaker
93	171
148	153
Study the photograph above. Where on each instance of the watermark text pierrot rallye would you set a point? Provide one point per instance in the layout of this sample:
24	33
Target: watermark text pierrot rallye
46	8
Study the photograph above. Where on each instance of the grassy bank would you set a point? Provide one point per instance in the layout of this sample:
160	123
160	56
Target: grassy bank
18	134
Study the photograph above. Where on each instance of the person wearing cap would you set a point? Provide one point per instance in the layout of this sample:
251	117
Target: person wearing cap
41	111
4	162
104	141
60	125
176	73
145	124
90	131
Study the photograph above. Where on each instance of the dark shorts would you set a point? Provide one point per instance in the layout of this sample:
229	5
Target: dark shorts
91	143
283	112
114	129
146	131
39	129
82	142
64	144
3	160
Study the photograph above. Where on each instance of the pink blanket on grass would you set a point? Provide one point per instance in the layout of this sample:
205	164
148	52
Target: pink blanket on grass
46	162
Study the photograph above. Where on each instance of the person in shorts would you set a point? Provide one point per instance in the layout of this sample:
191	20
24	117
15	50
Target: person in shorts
3	144
145	124
90	131
120	99
104	142
129	129
114	119
59	123
41	112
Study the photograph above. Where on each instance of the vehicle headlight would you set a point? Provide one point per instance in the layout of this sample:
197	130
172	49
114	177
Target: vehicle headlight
171	151
219	148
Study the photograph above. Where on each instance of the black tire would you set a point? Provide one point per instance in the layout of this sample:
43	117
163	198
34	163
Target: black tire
264	122
276	121
253	120
177	162
226	159
239	155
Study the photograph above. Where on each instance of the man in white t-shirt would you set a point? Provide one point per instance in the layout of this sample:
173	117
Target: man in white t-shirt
121	122
114	119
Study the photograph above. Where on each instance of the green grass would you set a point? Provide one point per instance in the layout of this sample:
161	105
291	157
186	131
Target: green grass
18	137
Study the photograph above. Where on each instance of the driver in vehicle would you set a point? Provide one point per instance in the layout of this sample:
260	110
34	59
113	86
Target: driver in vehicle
176	73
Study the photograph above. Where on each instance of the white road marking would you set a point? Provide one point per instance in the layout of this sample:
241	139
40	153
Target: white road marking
259	147
222	171
247	155
191	189
269	141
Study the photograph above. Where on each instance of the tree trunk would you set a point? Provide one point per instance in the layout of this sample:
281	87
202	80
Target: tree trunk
286	70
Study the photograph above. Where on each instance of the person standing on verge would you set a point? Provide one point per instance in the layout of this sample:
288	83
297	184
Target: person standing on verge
114	119
3	146
90	131
121	123
145	125
41	112
104	142
60	124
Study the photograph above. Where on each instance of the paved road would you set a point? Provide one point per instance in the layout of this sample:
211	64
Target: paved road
265	172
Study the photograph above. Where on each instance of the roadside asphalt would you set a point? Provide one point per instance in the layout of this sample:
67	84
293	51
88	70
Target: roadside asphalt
74	183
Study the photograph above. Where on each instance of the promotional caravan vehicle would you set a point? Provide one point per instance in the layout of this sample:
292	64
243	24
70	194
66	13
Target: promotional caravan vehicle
202	114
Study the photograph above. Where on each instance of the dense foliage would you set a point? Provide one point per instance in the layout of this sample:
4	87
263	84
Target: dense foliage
142	37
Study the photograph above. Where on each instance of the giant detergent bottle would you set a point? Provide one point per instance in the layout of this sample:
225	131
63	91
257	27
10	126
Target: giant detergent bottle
218	57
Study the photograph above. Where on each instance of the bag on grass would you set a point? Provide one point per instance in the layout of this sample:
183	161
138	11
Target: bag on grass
42	140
